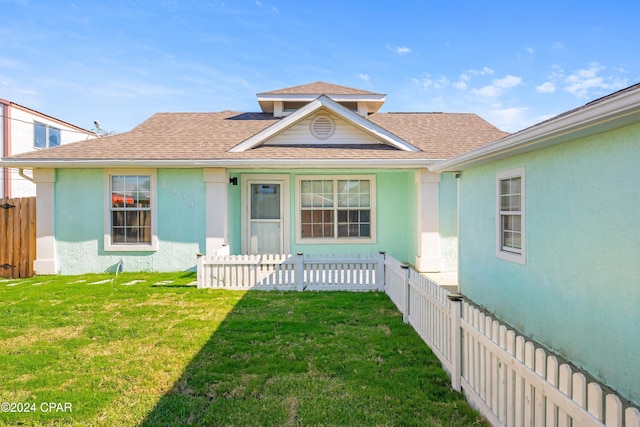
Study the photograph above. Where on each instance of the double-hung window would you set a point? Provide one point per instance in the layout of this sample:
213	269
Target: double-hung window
45	136
336	209
510	218
130	223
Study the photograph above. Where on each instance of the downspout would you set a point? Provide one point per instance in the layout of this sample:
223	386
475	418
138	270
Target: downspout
6	147
27	177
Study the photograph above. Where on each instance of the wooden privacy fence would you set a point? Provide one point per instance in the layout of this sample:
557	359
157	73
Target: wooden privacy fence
292	272
510	380
17	237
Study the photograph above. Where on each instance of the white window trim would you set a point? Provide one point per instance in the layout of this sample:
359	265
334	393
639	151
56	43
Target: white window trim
109	246
246	180
519	258
47	135
336	239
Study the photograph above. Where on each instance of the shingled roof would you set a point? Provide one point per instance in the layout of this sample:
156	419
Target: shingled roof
210	136
320	88
193	139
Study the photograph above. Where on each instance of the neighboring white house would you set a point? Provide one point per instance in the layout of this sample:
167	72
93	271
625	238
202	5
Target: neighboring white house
22	130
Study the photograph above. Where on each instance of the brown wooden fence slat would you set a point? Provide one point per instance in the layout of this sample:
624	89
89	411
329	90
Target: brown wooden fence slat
31	224
3	239
17	237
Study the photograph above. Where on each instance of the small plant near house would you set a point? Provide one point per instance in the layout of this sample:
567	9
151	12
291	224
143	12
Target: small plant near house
151	349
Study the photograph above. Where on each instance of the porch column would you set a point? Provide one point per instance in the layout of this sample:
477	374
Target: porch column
428	258
216	182
45	262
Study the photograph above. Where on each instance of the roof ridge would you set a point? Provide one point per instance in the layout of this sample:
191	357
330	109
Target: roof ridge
320	87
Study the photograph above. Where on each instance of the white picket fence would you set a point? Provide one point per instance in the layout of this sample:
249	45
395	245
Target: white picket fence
292	272
507	378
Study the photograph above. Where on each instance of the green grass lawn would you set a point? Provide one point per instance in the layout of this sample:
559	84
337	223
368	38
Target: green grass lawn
144	349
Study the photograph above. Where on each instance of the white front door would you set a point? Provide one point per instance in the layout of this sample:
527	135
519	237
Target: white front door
265	226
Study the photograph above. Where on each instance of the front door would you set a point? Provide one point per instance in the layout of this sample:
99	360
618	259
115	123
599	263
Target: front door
266	213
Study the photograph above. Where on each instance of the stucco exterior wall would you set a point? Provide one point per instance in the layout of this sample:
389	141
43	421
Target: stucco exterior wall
578	292
80	212
79	223
395	214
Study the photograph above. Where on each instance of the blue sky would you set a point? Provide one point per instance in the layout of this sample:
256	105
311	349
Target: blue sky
119	61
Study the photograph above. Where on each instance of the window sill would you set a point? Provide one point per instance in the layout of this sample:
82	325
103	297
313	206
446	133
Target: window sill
149	247
512	257
332	241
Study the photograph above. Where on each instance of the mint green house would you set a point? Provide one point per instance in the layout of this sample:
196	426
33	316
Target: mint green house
317	170
549	235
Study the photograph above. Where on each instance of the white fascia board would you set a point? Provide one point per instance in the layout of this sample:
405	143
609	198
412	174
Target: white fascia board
608	114
311	97
334	107
278	127
225	163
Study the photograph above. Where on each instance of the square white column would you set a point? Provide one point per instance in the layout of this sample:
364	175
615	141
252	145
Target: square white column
428	257
216	182
45	262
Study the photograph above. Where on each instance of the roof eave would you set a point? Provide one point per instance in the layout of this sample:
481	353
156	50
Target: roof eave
606	115
310	97
226	163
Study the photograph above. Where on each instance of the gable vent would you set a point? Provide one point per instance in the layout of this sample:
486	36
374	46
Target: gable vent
322	127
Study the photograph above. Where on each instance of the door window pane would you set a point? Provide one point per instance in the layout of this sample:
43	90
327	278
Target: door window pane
265	201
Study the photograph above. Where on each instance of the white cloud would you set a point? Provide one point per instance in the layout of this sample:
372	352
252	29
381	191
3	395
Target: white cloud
581	82
462	85
364	77
497	87
546	87
530	50
491	91
467	75
427	82
258	3
507	82
509	119
400	50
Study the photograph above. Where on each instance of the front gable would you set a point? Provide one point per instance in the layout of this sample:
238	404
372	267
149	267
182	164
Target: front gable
324	128
324	122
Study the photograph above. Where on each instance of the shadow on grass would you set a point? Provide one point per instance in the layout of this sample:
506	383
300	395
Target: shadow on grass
313	359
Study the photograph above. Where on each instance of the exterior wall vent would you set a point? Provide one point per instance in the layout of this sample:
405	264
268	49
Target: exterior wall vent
322	127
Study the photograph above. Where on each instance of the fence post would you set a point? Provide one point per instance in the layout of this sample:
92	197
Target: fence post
380	276
456	340
298	273
200	271
406	287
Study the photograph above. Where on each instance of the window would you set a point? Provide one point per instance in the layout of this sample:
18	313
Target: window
45	136
510	218
331	209
130	223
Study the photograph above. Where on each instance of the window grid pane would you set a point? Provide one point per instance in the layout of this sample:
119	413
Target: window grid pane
354	223
130	209
316	221
54	137
510	213
40	135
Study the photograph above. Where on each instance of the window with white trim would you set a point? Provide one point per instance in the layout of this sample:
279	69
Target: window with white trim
130	222
45	136
510	219
334	209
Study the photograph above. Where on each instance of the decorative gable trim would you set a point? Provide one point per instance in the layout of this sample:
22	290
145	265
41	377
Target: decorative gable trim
324	102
